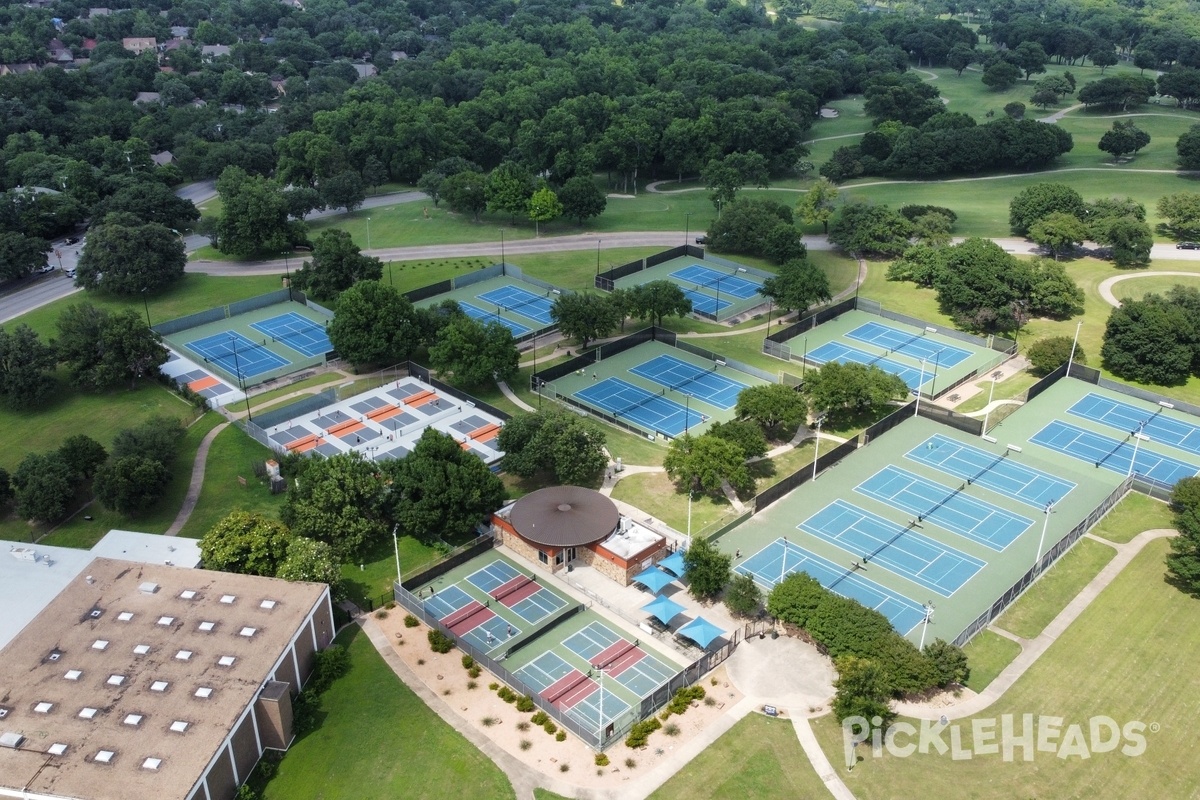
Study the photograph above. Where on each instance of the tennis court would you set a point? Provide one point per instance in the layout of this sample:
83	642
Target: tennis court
902	550
299	333
836	351
642	407
1113	454
709	278
781	558
517	591
631	666
474	312
706	304
236	354
520	301
913	345
948	508
1000	473
682	376
1127	418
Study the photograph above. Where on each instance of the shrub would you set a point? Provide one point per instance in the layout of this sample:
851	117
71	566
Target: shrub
564	767
671	729
601	760
389	605
475	671
440	642
640	732
523	725
549	727
683	699
381	614
489	721
525	704
472	684
525	744
539	718
493	686
710	701
328	665
561	736
630	763
446	691
410	621
420	662
1046	355
506	694
467	661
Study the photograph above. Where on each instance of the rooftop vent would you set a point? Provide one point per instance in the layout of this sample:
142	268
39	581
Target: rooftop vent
73	675
204	692
133	719
187	594
151	763
96	613
116	680
207	626
267	604
141	649
179	726
55	655
226	661
105	756
248	632
125	616
228	598
23	553
43	707
3	712
57	749
11	739
159	686
87	713
148	587
99	644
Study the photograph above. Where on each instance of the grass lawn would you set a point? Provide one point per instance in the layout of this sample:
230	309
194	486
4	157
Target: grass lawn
376	739
367	582
315	383
1134	514
1011	386
654	493
1130	656
772	470
759	757
988	654
633	449
232	455
1043	601
1136	288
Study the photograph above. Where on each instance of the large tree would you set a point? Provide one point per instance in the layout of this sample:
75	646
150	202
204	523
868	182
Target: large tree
779	410
466	193
584	316
725	176
125	256
1129	239
1150	341
21	255
798	285
1040	200
818	203
543	206
130	485
337	264
440	490
1183	562
1058	232
581	199
102	349
339	500
708	569
706	463
563	444
655	300
475	353
149	201
313	561
157	438
1122	139
26	368
82	454
245	542
254	215
853	388
757	228
508	189
43	486
873	229
1187	146
374	324
1182	213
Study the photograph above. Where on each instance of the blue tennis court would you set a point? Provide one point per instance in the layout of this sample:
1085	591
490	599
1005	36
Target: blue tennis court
681	376
1127	418
1114	455
948	508
836	351
493	576
444	603
516	300
491	633
916	345
704	303
236	354
474	312
1000	473
904	551
642	407
781	558
299	333
724	282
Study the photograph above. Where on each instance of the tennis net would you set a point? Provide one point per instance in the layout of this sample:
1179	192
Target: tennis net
616	658
530	301
518	587
570	687
942	502
692	378
638	403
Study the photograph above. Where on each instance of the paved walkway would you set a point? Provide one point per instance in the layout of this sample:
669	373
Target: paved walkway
197	482
512	396
825	770
1032	649
1106	285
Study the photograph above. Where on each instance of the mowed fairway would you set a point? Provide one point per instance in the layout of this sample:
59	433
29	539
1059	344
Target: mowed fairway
759	757
376	739
1131	656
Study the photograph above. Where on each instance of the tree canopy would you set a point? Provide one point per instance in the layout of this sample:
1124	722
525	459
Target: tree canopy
124	256
26	368
475	353
245	542
339	500
706	463
779	410
337	264
102	349
374	324
655	300
798	285
556	441
1153	340
583	316
852	388
1183	562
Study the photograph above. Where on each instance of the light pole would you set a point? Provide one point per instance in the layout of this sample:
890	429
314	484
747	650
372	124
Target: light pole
718	208
237	366
502	247
687	412
919	385
687	226
600	732
1138	438
925	623
988	410
691	491
368	233
396	544
1045	523
371	451
598	256
817	451
933	381
1075	341
146	306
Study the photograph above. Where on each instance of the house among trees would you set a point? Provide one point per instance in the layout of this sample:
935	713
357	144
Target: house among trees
139	44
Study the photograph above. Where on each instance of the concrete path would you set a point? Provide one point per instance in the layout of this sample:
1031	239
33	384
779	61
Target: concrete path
816	756
197	482
1032	649
1106	285
512	396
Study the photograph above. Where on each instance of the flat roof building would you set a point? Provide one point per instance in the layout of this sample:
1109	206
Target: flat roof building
155	681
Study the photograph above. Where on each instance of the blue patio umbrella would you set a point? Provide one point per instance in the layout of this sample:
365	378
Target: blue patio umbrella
654	579
700	631
663	607
674	564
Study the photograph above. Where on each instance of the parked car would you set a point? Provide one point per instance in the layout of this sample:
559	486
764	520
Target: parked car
45	269
701	240
1188	246
71	240
69	272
